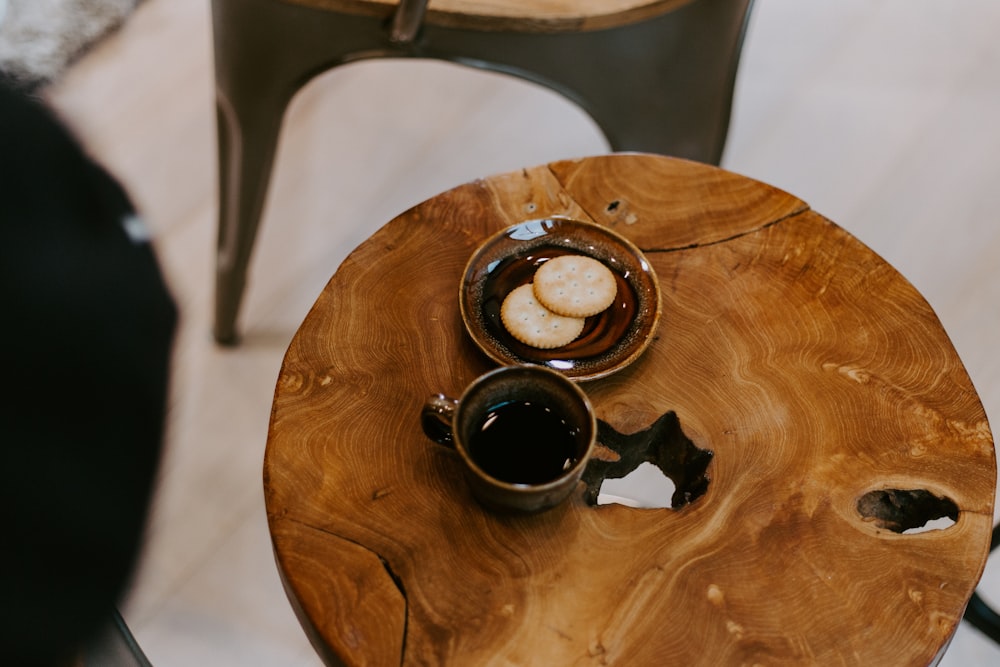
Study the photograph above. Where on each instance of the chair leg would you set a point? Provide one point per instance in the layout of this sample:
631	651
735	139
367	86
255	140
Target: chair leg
683	110
248	124
117	647
979	614
663	85
246	154
982	617
265	51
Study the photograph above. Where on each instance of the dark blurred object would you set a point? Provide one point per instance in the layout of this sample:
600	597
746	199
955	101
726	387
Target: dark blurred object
85	342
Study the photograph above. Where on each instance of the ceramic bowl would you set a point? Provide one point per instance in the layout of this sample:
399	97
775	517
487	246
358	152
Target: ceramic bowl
610	341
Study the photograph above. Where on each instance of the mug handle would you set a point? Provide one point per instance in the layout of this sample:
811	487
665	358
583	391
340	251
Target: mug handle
436	418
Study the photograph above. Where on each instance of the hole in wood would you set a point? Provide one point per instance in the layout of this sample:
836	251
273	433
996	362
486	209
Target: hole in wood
908	510
934	524
662	447
646	486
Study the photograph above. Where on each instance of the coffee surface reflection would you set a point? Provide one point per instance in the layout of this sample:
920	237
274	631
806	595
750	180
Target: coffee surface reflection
524	442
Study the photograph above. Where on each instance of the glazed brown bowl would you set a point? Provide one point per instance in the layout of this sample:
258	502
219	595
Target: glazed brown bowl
610	341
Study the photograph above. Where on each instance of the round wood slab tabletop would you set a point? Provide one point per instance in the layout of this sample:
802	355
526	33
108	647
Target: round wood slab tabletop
801	393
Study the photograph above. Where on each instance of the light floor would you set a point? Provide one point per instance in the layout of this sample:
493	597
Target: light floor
885	116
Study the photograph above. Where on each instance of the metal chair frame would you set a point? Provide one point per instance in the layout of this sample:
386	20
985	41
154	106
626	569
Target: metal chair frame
979	614
661	85
116	647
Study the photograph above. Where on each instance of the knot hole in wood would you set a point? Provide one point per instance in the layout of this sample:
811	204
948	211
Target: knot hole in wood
907	510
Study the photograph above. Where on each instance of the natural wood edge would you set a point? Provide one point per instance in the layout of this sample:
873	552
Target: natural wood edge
363	610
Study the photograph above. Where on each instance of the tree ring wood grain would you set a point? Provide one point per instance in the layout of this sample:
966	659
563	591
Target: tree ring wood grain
813	371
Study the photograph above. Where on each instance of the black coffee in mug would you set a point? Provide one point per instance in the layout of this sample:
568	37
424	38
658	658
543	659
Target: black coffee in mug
524	442
524	433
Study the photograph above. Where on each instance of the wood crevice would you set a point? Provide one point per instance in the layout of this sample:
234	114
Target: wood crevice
732	237
396	579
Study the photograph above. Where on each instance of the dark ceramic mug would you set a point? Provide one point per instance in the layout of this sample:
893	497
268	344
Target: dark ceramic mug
525	434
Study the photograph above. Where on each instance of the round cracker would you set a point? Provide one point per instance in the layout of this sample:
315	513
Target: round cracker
533	324
575	285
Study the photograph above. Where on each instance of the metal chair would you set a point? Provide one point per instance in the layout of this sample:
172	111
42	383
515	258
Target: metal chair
655	75
116	647
979	614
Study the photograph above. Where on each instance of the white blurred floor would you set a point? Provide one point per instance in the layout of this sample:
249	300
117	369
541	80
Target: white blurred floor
882	115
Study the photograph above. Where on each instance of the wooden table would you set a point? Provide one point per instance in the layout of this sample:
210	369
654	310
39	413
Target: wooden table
835	406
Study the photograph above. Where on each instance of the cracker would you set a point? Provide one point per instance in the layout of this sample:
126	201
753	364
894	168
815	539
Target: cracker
533	324
575	285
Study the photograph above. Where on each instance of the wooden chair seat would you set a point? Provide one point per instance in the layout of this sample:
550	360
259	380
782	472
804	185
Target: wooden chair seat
514	15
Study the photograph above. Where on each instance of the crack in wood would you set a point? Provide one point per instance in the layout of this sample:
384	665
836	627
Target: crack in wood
393	576
398	581
733	237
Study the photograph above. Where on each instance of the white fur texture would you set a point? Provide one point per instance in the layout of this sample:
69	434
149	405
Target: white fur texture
39	38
